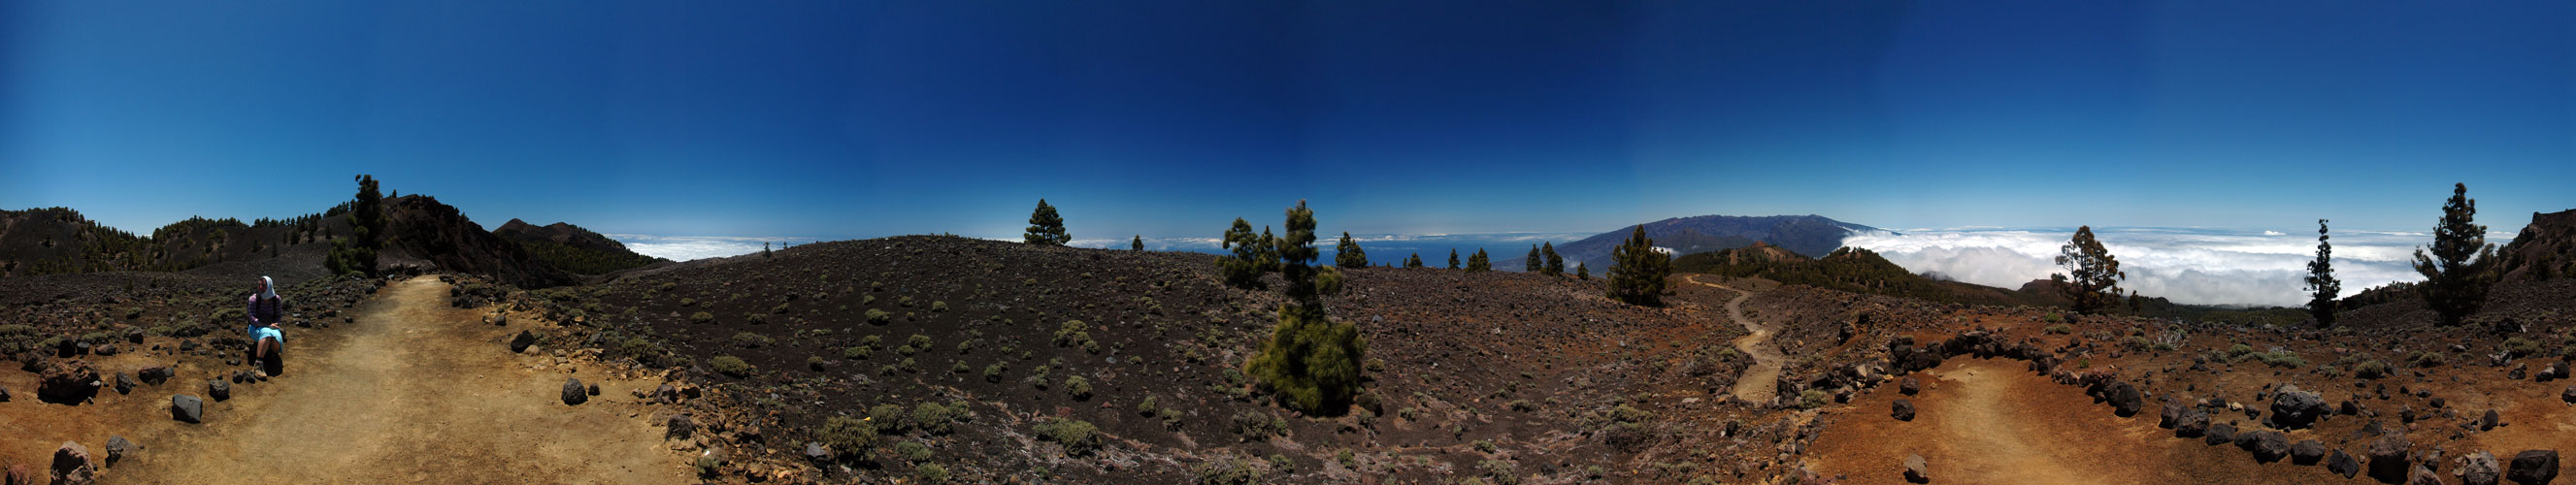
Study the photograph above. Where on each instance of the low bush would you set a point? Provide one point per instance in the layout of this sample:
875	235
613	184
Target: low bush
878	317
730	365
1078	437
860	352
750	340
2060	329
1812	398
702	318
2282	358
1079	387
2425	359
930	473
912	451
2519	347
848	437
2370	369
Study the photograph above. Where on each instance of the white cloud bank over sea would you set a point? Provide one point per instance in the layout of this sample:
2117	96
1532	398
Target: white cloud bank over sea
684	248
2188	265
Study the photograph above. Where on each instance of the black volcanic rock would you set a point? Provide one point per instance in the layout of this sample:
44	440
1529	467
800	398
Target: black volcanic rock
573	392
2342	464
1903	410
2533	467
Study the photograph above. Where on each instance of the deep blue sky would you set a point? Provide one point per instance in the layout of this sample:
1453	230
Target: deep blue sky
838	119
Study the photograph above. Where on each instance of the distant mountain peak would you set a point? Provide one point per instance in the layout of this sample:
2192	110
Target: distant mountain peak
1801	234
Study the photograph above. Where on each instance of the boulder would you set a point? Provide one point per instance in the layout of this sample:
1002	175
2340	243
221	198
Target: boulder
2307	452
2568	395
2388	458
594	388
678	427
218	389
1915	470
1904	410
104	350
2124	398
2555	371
521	342
20	475
187	408
72	465
815	452
2422	475
2294	409
2342	464
1910	385
67	381
125	383
2192	423
2533	467
117	449
155	375
2479	469
4	394
573	392
2219	434
2489	421
2267	445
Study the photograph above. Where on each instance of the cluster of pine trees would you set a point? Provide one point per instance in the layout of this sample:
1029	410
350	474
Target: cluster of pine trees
1311	363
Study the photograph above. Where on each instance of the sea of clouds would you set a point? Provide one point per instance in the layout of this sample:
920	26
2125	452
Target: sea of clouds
684	248
1382	248
2187	265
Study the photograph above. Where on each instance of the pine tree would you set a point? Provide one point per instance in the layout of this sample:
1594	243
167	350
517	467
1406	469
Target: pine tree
2096	274
1348	254
1453	258
2322	282
1479	262
1137	244
1311	363
1581	272
1637	270
357	253
2455	274
1244	268
1555	263
1270	245
1414	261
1532	264
1045	227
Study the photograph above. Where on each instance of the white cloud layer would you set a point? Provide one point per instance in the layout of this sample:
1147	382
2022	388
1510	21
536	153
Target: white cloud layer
2197	266
684	248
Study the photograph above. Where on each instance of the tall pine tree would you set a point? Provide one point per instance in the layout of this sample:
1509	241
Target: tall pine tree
1453	258
1137	244
1637	270
357	253
1045	227
1244	268
1532	264
1311	362
2322	282
2455	274
2094	283
1348	254
1555	263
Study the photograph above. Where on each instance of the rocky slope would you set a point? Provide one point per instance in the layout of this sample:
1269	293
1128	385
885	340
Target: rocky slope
1807	234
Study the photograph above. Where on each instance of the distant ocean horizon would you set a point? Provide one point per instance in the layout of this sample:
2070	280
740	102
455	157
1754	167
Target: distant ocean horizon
2208	266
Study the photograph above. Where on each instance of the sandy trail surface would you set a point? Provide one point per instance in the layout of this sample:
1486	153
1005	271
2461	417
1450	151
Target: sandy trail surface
1759	383
414	392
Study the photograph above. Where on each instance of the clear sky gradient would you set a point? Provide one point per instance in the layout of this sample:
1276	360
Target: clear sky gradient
849	119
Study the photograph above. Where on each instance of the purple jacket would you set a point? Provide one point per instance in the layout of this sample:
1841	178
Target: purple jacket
272	310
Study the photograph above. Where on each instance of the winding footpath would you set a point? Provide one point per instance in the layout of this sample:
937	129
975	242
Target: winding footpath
1760	383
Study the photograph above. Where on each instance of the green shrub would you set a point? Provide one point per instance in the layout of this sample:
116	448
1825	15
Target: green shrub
2136	344
750	340
1225	471
860	352
848	437
2060	329
2239	351
814	362
960	367
1500	471
2370	369
939	306
1257	426
912	452
688	302
1148	407
730	365
878	317
929	472
1282	463
2280	359
935	418
2054	318
2425	359
1079	387
1078	437
993	372
2519	347
1073	333
702	318
918	341
1812	398
889	418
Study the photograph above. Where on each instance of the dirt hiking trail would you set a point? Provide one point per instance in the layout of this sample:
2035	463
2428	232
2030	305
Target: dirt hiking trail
413	392
1759	383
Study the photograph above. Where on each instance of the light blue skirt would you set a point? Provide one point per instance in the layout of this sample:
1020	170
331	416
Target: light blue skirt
262	331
